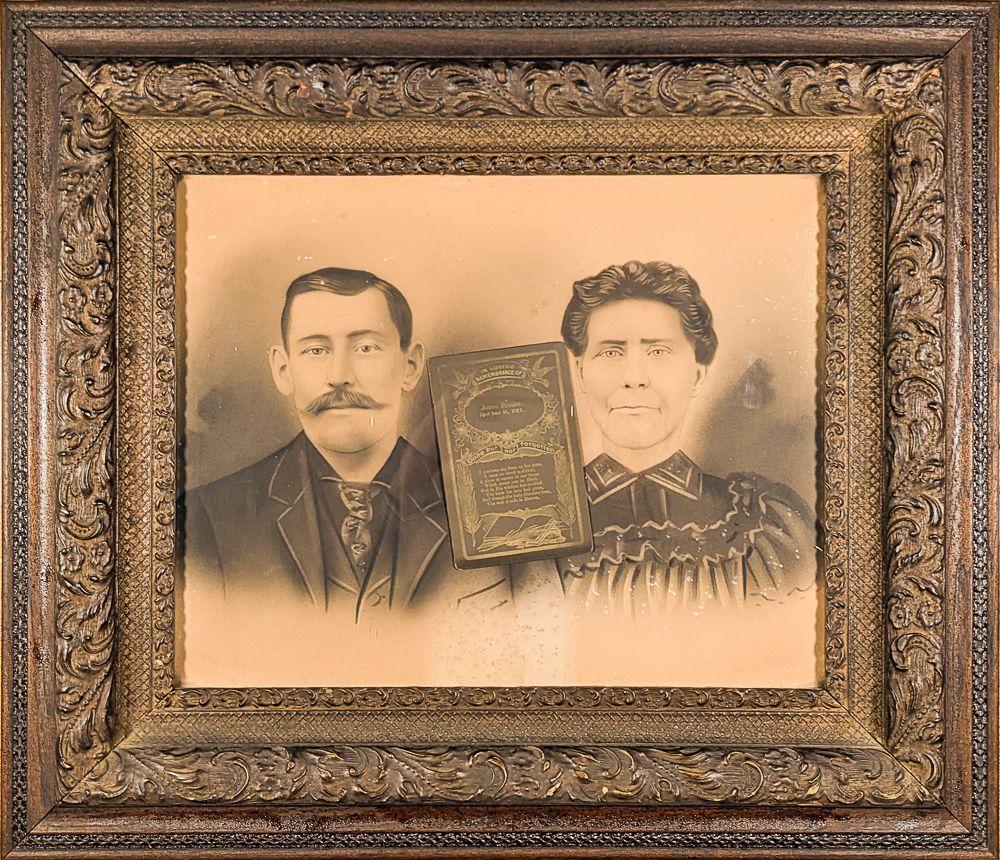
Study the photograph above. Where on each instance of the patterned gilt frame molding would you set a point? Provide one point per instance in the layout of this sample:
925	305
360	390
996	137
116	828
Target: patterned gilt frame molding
858	138
145	100
109	748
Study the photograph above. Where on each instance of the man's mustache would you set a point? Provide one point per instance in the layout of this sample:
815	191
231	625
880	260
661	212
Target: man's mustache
339	398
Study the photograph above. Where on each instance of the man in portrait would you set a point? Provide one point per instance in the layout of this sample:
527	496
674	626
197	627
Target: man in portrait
348	516
666	534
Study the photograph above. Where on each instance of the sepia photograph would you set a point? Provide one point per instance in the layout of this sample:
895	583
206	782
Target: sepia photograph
474	431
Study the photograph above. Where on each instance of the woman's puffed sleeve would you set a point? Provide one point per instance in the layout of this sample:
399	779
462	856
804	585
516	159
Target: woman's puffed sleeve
783	557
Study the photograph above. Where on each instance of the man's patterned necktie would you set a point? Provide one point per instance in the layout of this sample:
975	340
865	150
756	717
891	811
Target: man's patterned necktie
356	529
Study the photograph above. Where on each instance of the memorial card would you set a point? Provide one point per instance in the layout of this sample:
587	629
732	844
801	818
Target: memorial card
510	454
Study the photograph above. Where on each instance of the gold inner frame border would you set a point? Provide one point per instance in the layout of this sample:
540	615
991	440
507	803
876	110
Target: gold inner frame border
854	146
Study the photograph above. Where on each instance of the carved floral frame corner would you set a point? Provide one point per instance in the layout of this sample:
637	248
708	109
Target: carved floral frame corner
98	766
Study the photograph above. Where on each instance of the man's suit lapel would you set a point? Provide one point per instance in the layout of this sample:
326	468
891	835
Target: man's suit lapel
291	487
422	524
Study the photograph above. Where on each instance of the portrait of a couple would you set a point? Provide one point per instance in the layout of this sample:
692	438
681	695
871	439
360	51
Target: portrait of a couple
349	516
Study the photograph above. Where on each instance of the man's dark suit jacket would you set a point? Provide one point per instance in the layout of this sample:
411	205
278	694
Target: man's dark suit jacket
256	533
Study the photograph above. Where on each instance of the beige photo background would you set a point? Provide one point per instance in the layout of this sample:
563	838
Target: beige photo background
488	262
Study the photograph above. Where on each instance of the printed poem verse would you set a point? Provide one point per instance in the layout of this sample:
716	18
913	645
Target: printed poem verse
524	482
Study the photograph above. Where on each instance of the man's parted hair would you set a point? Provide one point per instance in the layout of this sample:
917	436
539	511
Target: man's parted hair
656	281
351	282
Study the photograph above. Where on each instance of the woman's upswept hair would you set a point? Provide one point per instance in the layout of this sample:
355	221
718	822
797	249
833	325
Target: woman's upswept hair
656	281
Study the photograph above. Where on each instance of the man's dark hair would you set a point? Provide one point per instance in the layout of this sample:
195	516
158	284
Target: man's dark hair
351	282
656	281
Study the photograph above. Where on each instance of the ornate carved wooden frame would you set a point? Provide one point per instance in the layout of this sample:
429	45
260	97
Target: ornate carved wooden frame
107	105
